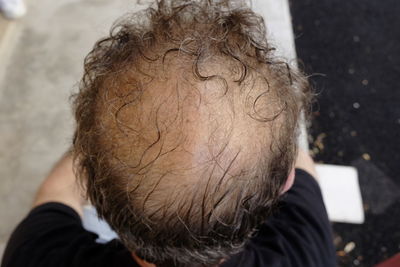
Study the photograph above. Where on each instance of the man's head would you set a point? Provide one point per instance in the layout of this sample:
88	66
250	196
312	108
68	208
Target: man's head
186	129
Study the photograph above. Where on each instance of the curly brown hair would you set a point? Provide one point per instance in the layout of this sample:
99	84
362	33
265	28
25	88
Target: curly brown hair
186	129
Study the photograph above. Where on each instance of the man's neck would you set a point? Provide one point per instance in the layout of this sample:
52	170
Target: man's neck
141	262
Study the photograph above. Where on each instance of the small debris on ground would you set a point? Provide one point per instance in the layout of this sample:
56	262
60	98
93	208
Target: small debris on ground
366	207
319	141
366	156
341	253
349	247
337	240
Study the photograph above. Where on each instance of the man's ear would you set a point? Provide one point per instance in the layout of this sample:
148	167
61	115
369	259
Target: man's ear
289	182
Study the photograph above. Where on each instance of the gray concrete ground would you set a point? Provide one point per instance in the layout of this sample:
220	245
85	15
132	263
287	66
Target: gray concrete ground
40	65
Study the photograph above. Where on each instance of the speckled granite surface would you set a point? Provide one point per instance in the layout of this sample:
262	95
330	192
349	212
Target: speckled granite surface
353	47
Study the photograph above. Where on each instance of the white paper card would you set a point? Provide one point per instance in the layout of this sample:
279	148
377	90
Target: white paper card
341	192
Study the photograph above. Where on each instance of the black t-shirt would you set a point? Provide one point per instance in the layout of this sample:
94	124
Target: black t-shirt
298	234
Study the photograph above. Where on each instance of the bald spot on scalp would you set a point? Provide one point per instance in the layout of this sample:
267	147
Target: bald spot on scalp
175	133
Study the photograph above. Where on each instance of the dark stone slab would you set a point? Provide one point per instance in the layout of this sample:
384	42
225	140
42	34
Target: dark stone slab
353	49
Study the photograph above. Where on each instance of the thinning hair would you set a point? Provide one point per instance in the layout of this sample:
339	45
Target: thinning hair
186	129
